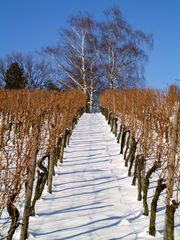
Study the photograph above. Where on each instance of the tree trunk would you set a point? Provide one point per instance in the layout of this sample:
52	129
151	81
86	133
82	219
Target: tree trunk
28	196
140	164
110	118
143	172
131	155
123	141
112	122
88	107
63	145
61	150
29	187
67	137
91	94
146	186
114	128
169	222
50	171
128	143
135	171
57	151
74	122
152	224
41	181
91	105
14	214
170	211
42	178
119	134
106	113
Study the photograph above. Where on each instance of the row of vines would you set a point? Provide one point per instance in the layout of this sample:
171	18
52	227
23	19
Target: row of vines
147	125
35	127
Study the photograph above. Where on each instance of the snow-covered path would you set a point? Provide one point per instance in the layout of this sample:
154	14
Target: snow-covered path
92	195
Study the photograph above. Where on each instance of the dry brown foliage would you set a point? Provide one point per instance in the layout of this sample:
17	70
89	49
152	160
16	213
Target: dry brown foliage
23	113
147	114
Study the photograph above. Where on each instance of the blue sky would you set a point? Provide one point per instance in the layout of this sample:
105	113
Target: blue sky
28	25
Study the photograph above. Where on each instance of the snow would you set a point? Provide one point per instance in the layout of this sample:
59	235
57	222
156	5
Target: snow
93	198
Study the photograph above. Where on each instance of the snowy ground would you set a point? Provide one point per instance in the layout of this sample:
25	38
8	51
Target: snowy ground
92	195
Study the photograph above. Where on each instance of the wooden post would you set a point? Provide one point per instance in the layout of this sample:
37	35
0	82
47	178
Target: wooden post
50	171
140	164
131	156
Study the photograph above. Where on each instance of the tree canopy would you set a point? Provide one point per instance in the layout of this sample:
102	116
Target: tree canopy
93	55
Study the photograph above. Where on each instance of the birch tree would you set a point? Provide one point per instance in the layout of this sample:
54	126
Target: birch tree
94	56
121	50
74	56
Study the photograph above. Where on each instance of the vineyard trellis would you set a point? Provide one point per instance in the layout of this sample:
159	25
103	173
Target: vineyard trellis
35	127
146	123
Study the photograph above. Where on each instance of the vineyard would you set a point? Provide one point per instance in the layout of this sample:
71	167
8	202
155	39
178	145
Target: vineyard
148	122
36	127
